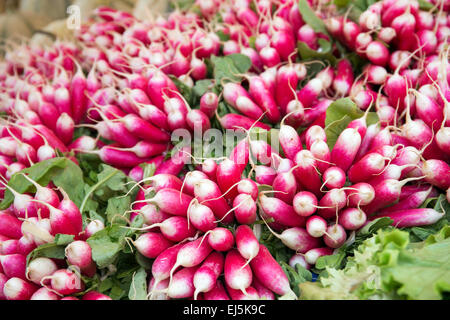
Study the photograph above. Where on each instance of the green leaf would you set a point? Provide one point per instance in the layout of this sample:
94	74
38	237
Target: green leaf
116	209
425	5
138	287
333	261
324	53
202	86
375	225
48	250
105	248
339	114
229	67
311	18
63	172
222	36
63	239
185	91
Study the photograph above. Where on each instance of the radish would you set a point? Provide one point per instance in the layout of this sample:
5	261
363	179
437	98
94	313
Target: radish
265	175
306	171
66	282
360	194
369	166
299	259
18	289
93	295
39	269
175	229
233	121
182	283
217	293
201	216
352	219
14	265
246	242
245	209
93	227
263	292
10	226
413	201
344	78
305	204
162	266
335	236
321	152
290	141
23	204
316	226
191	255
209	194
238	98
238	275
334	178
386	193
171	201
437	173
209	103
285	186
413	217
44	194
236	295
44	294
313	255
152	244
228	174
206	276
270	274
332	202
248	186
220	239
79	254
346	148
314	133
280	211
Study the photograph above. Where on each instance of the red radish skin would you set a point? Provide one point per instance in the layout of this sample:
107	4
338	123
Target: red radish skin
79	254
413	217
352	219
228	174
236	295
263	292
290	141
299	259
172	201
163	264
201	217
316	226
39	269
248	186
151	244
320	150
269	273
335	236
306	171
360	194
238	275
314	133
221	239
14	265
94	295
437	173
286	186
245	209
346	149
313	255
206	276
280	211
208	193
332	202
175	229
305	204
368	167
10	226
182	284
334	178
246	242
414	201
66	282
18	289
217	293
44	294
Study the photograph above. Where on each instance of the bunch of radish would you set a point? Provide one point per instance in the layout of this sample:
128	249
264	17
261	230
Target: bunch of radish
32	221
119	82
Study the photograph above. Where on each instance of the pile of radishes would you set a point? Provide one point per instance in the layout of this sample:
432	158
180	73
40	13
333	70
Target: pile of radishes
202	223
